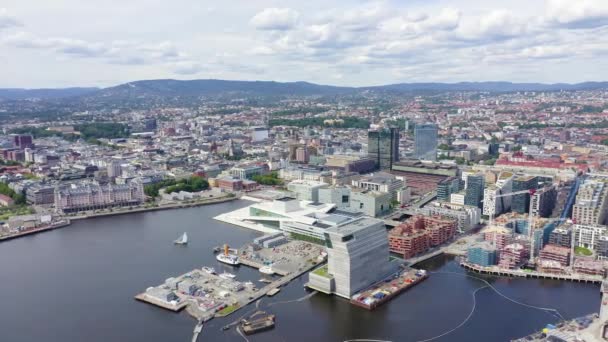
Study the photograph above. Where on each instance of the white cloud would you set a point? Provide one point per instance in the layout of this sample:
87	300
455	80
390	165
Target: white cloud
275	19
8	20
577	14
365	42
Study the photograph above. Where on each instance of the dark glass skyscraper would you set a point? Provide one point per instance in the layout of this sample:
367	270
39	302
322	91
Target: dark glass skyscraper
521	203
383	147
425	145
474	192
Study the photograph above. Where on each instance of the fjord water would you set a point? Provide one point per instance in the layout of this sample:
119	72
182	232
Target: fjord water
78	283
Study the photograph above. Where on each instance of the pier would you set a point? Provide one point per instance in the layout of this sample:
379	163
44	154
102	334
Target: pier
581	278
52	226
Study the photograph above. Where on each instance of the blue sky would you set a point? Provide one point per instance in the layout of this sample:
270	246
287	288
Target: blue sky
100	43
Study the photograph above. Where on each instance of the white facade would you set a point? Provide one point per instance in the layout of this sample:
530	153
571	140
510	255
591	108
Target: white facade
493	206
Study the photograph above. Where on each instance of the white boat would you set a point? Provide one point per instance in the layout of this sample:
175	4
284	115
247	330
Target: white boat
266	270
182	240
229	259
227	275
209	270
248	283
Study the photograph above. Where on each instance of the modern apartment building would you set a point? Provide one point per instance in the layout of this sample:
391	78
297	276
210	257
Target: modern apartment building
591	203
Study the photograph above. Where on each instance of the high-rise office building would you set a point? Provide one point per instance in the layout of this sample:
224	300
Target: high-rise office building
383	147
447	187
475	189
520	203
425	144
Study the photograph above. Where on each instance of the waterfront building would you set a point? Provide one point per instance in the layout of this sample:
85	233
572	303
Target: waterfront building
556	253
447	187
92	196
270	214
474	191
589	267
419	233
314	225
482	254
520	203
358	256
383	147
425	141
306	190
513	255
591	203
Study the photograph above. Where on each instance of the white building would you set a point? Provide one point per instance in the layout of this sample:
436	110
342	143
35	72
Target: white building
306	190
381	181
493	206
588	236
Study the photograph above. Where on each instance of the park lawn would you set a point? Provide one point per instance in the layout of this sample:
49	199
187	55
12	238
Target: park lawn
582	251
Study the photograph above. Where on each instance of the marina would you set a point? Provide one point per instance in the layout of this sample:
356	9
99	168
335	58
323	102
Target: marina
207	293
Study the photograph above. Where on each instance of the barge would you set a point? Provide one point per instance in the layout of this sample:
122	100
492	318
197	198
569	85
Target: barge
388	288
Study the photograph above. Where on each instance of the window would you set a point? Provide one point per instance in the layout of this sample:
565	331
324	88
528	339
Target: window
345	199
360	205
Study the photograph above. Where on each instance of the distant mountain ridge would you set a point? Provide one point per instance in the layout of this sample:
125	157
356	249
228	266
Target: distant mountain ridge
44	94
210	87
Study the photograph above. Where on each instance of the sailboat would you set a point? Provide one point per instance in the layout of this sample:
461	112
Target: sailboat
182	240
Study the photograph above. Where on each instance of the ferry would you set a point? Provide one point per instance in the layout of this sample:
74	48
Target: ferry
227	275
209	270
227	258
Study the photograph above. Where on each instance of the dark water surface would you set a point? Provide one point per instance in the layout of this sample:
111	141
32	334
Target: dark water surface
78	283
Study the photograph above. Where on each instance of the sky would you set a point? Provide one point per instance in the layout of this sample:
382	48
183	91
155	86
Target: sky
63	43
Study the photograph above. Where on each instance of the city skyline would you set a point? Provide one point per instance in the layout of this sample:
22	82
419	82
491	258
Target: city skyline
350	43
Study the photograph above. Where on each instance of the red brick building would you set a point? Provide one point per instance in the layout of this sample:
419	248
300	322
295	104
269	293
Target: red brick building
420	233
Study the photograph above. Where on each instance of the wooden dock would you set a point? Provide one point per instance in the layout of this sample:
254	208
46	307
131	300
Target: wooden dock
580	278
